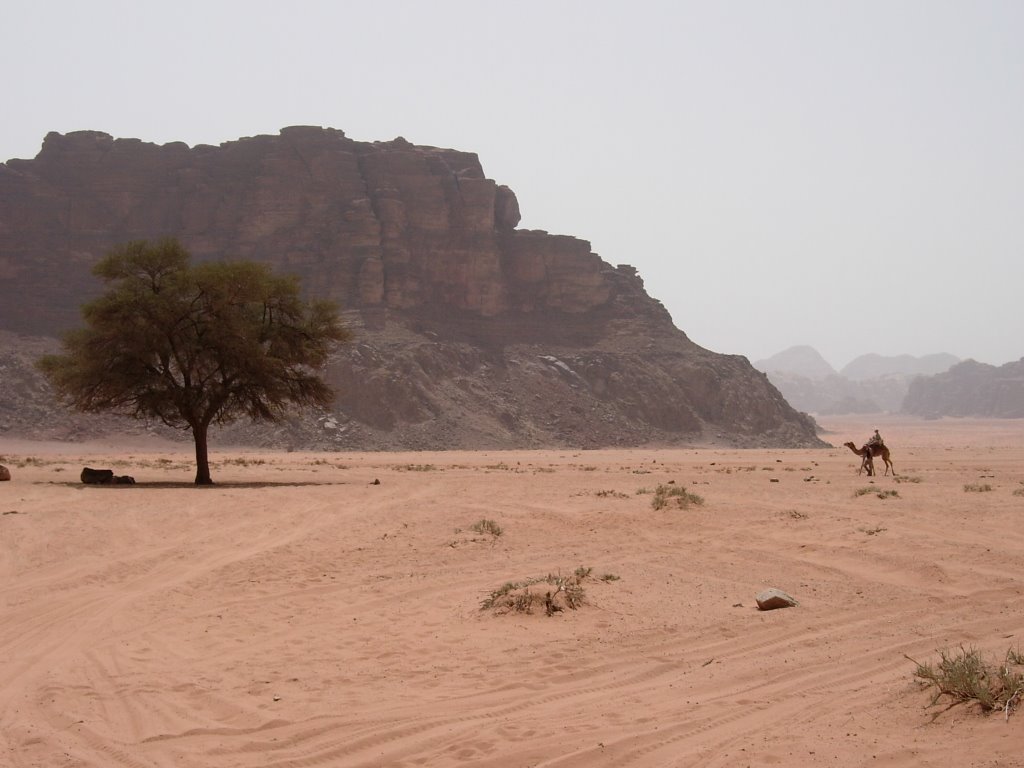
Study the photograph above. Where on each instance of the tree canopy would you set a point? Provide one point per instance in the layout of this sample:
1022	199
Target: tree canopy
195	345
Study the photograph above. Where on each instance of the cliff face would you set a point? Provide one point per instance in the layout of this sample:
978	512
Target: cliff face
469	331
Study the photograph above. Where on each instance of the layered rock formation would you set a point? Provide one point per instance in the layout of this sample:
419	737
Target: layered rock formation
469	332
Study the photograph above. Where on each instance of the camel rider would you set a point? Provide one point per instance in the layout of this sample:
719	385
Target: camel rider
874	440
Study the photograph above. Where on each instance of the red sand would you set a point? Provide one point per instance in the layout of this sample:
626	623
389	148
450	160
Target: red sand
298	615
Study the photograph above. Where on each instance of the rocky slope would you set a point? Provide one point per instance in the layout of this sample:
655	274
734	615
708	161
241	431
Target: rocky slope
970	389
469	332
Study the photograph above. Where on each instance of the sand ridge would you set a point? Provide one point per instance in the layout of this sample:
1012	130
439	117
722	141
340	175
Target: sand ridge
296	614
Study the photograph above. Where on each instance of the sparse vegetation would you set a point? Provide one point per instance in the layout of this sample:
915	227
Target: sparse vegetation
557	593
906	478
241	461
965	676
1018	491
415	467
486	526
796	515
606	577
872	531
611	494
977	487
674	495
891	493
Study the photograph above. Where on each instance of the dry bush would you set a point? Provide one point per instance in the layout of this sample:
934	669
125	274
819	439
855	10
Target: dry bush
674	495
977	487
486	526
553	592
964	676
880	494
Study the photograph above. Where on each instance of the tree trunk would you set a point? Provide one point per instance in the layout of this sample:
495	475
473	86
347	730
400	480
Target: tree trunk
202	454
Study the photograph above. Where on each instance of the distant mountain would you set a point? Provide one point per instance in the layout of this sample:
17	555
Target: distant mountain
801	360
872	366
870	384
969	389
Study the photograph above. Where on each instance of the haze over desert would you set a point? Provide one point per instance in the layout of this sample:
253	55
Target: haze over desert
298	614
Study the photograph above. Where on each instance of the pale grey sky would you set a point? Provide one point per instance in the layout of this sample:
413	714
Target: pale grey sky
848	175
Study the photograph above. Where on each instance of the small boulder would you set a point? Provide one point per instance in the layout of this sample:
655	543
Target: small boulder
773	598
5	473
92	476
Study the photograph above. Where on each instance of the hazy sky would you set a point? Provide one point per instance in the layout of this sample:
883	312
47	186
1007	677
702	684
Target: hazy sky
848	175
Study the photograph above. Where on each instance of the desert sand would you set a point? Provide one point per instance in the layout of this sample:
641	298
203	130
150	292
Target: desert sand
298	614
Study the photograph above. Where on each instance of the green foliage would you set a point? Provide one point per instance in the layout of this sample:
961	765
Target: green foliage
196	345
674	495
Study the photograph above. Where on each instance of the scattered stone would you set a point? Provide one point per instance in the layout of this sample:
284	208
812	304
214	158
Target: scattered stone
5	473
773	598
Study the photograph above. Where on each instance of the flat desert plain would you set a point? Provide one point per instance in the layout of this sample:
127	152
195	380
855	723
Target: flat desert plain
299	613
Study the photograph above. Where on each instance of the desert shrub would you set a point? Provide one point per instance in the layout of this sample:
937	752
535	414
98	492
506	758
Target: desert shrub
977	487
610	577
669	495
555	593
1018	491
611	494
964	676
241	461
486	526
906	478
880	494
415	467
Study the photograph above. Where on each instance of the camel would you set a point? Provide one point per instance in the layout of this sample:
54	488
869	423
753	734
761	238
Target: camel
866	458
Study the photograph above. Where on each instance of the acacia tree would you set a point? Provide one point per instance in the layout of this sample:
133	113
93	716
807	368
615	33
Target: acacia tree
194	345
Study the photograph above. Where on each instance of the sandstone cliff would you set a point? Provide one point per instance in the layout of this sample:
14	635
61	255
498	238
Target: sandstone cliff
469	332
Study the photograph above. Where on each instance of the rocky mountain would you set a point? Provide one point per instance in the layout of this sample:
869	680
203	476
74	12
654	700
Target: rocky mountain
869	384
802	361
970	389
872	366
469	332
